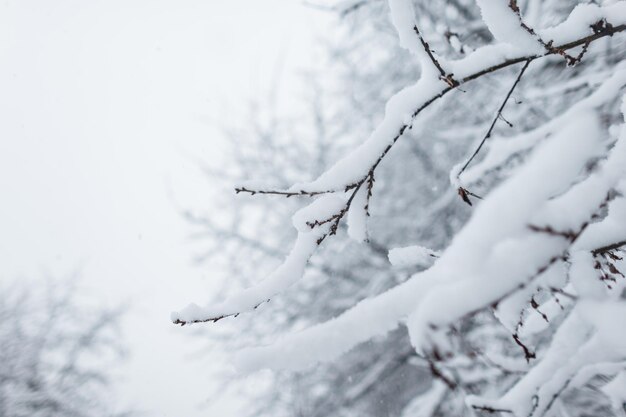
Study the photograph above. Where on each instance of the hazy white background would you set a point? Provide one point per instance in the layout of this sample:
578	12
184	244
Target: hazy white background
103	106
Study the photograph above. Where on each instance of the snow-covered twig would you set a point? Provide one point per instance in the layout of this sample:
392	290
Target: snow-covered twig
495	119
352	172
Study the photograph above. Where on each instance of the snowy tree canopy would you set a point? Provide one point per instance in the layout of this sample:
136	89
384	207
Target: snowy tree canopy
49	342
541	251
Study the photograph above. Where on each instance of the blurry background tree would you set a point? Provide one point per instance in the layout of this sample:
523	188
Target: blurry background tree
362	69
57	355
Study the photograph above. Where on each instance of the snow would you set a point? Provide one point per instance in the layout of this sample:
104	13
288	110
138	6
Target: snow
516	244
287	274
581	273
570	336
412	256
326	341
616	391
403	18
590	337
322	208
554	307
355	166
473	264
515	308
501	149
611	229
604	316
426	404
505	26
583	16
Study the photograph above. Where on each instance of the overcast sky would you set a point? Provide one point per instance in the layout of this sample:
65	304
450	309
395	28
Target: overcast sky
102	103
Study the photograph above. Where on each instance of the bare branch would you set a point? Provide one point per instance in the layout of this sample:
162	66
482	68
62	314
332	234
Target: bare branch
282	192
495	119
608	248
448	78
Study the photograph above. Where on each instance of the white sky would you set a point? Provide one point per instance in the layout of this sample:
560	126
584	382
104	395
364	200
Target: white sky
101	104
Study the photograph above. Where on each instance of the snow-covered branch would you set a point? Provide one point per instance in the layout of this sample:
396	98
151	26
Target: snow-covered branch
349	174
541	250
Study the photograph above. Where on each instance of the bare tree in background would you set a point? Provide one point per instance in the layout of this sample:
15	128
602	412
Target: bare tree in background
56	353
477	118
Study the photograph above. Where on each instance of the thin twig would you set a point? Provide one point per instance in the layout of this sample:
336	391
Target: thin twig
600	29
571	61
495	119
491	409
288	194
213	319
337	217
370	186
436	372
448	78
607	248
570	235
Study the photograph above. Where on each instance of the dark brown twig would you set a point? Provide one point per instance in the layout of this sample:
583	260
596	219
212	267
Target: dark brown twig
213	319
608	248
281	192
370	186
445	76
338	216
571	60
491	409
464	193
528	354
495	119
436	372
570	235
